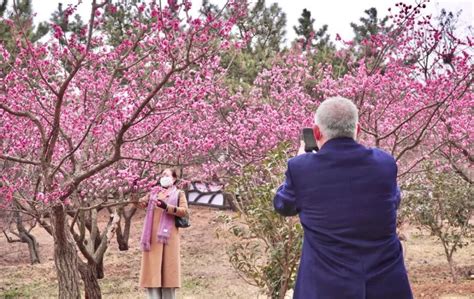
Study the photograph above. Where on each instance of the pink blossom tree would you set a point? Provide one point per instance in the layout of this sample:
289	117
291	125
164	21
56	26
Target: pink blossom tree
412	102
84	124
415	97
80	118
410	93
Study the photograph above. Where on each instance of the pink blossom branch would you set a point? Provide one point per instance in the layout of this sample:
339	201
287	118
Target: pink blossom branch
19	160
153	129
416	163
155	162
435	105
95	6
28	115
423	130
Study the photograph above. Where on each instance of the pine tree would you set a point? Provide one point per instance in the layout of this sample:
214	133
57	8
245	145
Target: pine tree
60	18
310	36
267	25
305	28
370	25
21	13
265	28
207	7
118	18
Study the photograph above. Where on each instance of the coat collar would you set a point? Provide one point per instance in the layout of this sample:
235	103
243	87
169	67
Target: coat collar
338	143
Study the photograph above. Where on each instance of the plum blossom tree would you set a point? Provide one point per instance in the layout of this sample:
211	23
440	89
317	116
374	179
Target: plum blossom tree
76	111
408	95
413	103
407	107
89	118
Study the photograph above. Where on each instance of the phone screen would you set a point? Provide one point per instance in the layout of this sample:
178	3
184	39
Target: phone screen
309	141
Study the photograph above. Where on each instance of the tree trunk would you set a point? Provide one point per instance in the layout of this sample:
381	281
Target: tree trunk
32	246
283	286
100	268
91	284
234	205
27	238
452	267
65	256
124	236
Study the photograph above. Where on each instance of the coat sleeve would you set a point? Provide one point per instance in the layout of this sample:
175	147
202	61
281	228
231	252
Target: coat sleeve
285	197
398	195
182	209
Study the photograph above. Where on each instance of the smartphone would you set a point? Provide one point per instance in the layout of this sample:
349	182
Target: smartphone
309	141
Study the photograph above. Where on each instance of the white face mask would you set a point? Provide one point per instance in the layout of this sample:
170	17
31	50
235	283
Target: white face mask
166	181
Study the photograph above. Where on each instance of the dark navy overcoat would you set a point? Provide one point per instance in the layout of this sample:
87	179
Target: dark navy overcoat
346	196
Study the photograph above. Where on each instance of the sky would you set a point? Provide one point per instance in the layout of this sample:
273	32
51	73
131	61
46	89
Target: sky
337	14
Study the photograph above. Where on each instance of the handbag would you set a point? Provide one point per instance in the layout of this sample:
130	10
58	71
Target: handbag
182	222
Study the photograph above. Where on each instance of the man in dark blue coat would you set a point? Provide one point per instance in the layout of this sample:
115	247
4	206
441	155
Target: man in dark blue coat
346	196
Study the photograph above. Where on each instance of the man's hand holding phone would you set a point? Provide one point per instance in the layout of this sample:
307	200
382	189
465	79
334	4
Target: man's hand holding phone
301	148
308	143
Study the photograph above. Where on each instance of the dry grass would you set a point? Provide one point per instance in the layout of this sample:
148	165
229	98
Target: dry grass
206	270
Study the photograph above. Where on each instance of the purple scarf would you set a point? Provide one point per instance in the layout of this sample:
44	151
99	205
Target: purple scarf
166	221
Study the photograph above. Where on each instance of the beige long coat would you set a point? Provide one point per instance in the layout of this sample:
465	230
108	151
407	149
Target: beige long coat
161	266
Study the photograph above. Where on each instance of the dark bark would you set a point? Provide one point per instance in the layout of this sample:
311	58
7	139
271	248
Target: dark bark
123	235
452	268
89	277
65	256
28	238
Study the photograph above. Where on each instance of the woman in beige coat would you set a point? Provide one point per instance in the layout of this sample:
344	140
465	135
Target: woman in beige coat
160	266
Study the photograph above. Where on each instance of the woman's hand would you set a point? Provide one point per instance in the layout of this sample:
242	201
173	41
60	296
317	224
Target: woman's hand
160	203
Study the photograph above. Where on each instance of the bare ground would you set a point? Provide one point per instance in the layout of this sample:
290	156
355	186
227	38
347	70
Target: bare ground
206	271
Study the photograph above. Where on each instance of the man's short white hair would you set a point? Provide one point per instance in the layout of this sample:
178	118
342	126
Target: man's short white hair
337	117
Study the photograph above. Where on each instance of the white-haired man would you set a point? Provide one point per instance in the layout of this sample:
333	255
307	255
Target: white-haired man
346	196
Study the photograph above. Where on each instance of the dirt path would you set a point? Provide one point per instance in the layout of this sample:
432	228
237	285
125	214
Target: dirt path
206	269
